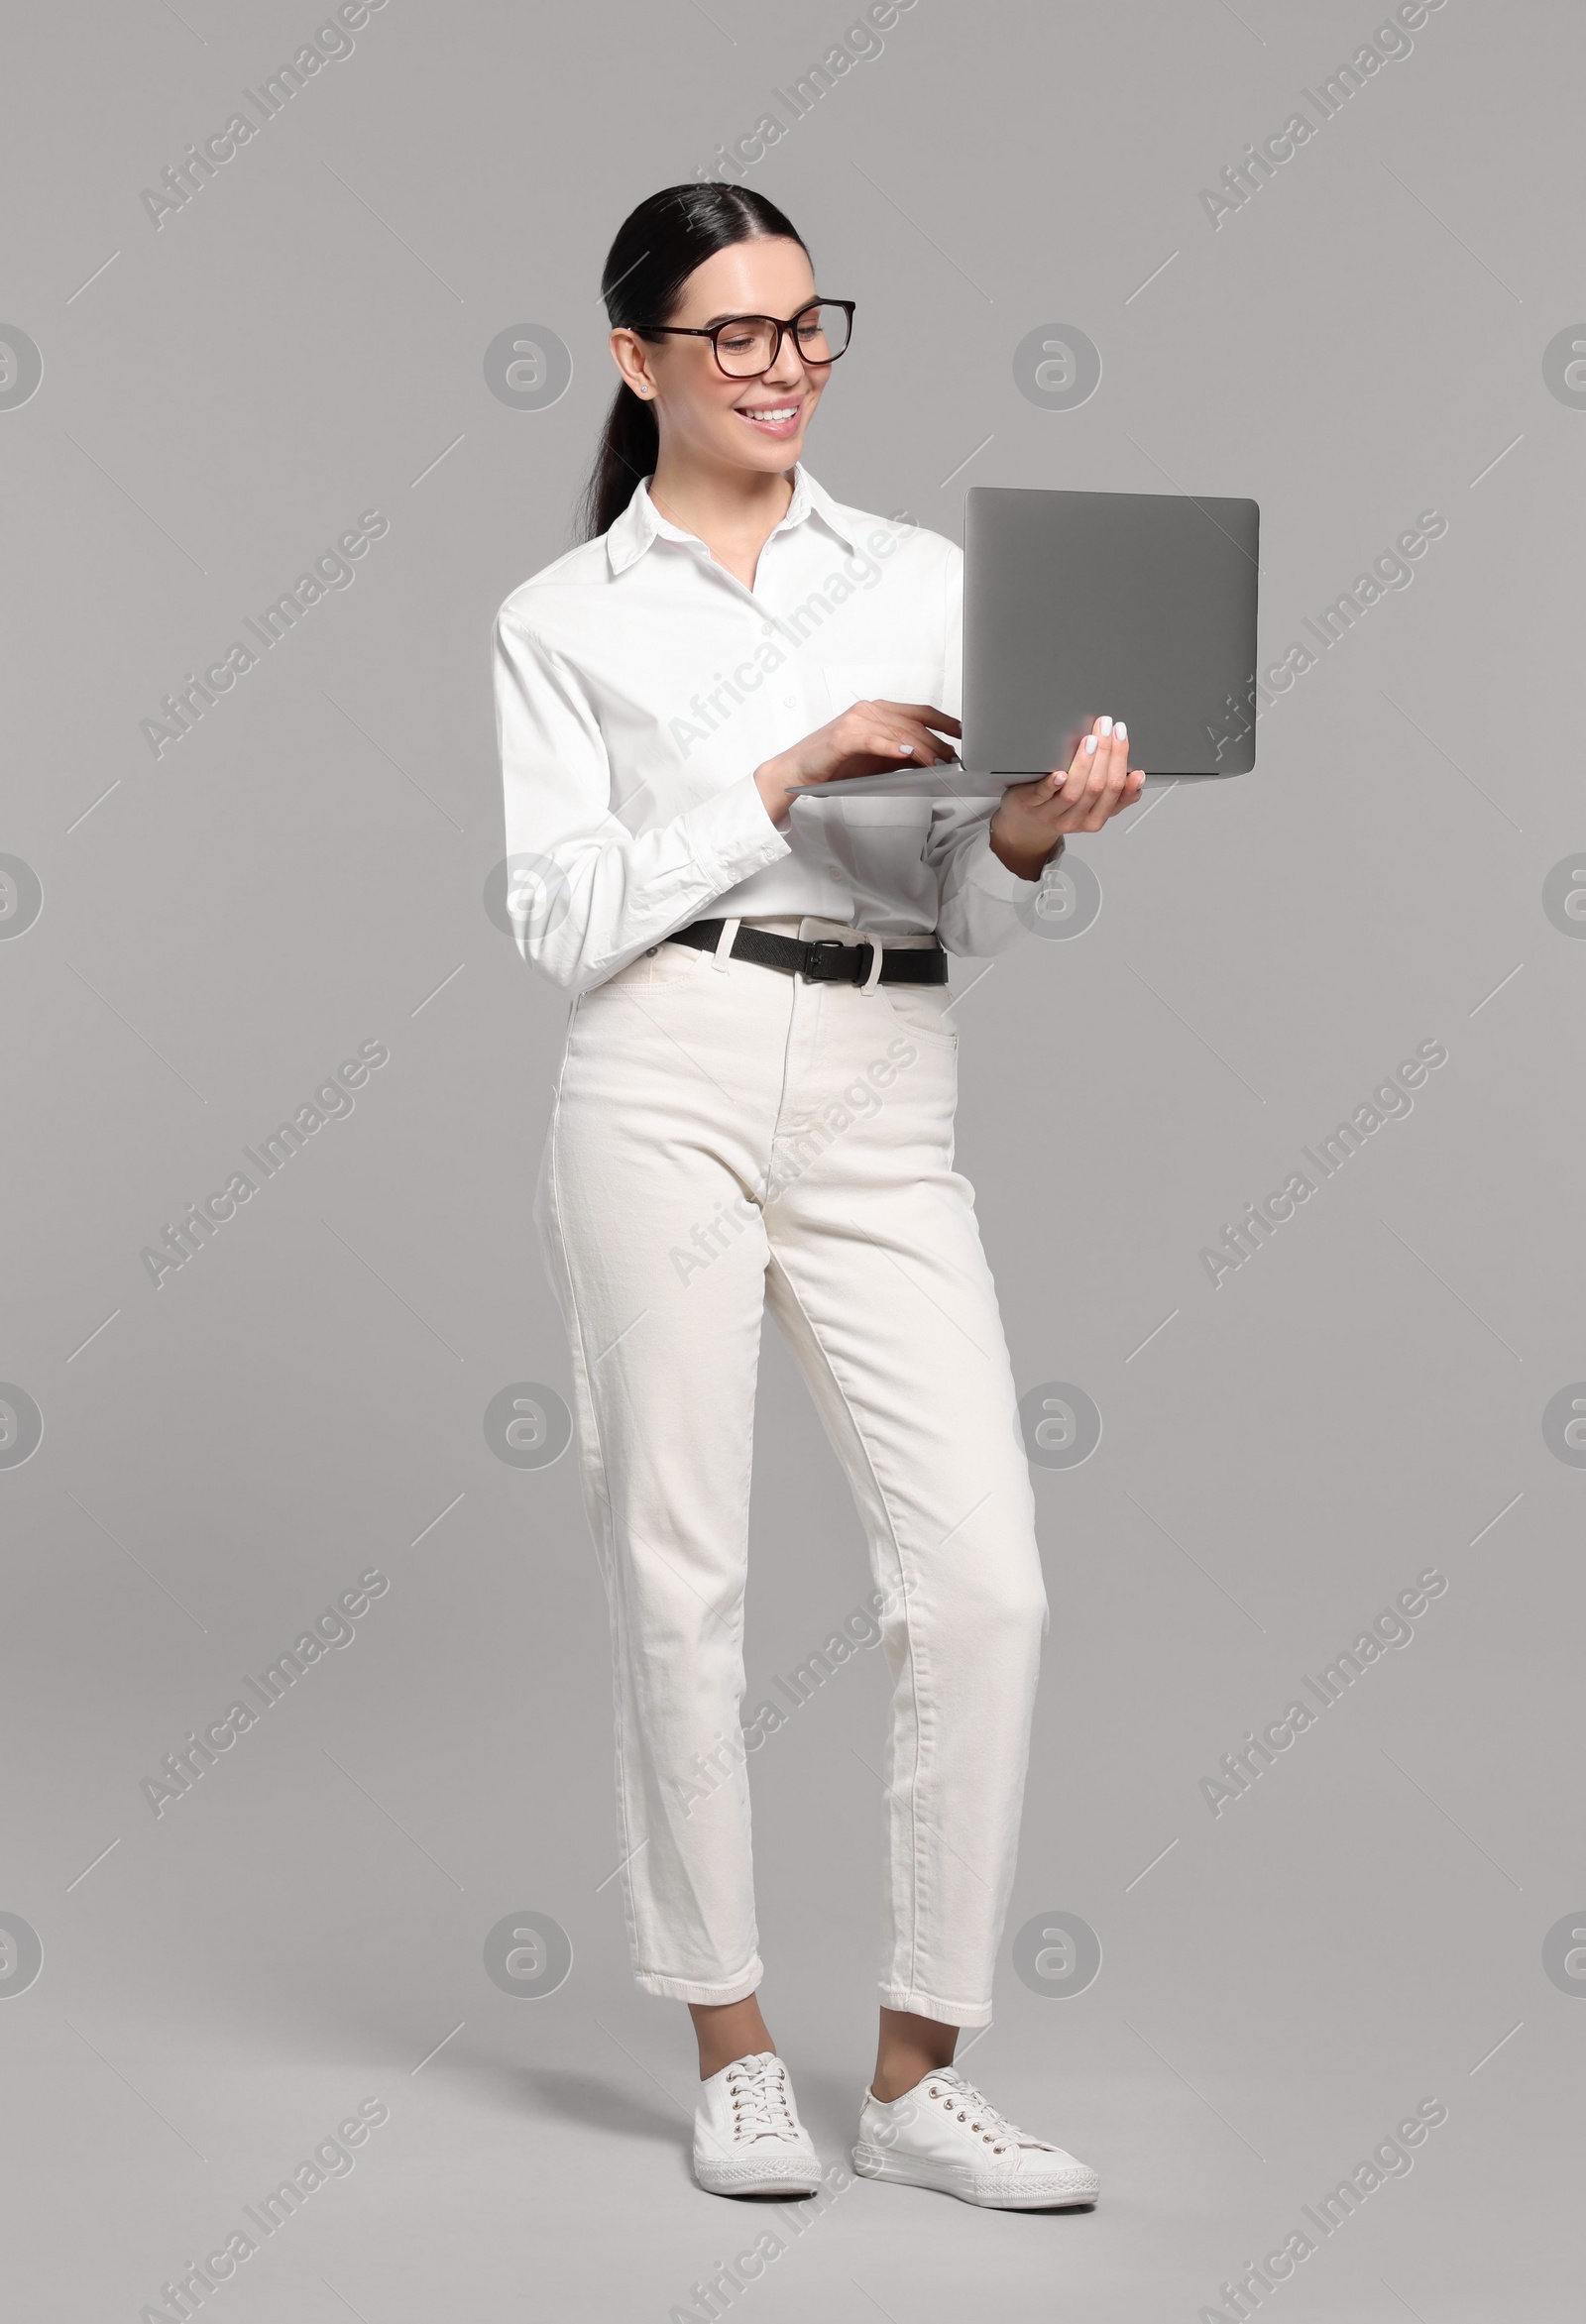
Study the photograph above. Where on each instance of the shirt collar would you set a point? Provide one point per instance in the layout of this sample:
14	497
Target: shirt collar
641	522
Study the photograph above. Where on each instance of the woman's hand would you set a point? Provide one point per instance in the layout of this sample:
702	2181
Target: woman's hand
1035	817
864	739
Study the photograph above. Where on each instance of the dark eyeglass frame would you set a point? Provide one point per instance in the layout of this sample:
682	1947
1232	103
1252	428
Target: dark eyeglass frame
712	331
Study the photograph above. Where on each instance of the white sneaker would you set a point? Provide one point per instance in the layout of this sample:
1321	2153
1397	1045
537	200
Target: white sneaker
945	2134
748	2136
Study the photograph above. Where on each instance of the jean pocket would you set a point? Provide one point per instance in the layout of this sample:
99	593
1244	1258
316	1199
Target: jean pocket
671	964
922	1010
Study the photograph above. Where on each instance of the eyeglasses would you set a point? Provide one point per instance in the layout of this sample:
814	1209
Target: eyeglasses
747	346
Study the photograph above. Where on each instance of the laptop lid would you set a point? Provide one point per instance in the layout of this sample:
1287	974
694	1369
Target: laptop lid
1138	604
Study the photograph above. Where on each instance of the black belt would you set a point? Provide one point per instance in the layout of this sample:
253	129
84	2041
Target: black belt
825	960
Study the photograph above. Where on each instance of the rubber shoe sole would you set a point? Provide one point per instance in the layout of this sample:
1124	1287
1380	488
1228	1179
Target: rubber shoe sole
793	2174
1065	2190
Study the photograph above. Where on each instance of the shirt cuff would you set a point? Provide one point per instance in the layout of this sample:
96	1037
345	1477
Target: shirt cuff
734	834
987	871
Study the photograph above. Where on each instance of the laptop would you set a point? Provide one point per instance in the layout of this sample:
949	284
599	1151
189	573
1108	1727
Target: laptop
1138	604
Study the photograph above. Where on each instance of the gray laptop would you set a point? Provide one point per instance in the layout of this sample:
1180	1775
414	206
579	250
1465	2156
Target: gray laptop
1138	604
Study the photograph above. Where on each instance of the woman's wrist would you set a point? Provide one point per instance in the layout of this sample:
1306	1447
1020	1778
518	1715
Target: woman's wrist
1025	863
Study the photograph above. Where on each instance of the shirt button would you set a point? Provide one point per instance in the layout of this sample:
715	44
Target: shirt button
650	952
787	702
765	628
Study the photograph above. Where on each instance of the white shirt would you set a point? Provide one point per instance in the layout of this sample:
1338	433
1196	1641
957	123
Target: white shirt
639	684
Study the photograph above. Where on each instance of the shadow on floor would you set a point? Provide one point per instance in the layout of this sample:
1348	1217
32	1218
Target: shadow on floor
599	2104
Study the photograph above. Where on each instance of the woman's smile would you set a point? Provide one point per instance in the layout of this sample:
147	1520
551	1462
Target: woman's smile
775	419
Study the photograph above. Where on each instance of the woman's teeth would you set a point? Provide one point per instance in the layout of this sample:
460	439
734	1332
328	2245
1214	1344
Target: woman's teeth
778	417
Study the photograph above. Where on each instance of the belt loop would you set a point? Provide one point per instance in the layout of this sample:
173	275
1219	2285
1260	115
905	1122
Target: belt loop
724	942
877	960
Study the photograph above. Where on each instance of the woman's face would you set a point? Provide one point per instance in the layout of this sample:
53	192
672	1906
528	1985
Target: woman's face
704	415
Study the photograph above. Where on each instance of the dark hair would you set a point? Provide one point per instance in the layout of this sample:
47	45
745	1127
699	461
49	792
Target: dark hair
657	248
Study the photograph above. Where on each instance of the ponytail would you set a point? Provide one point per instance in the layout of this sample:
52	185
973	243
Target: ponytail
630	444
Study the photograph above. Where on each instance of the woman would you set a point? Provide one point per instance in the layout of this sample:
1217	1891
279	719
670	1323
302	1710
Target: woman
756	1107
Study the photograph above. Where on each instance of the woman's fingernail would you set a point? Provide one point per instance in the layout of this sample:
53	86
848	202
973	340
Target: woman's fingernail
1121	730
1089	744
1105	726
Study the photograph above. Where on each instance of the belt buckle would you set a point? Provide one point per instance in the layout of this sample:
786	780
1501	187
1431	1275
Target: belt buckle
821	944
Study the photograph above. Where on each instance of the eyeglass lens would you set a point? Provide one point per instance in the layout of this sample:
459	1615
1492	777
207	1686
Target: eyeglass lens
745	348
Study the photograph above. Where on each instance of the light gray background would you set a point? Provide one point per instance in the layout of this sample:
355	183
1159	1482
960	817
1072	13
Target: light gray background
1362	342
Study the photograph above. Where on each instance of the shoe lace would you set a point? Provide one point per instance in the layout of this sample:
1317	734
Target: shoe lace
761	2106
972	2107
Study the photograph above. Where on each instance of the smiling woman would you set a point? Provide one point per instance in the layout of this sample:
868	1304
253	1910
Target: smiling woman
657	251
759	951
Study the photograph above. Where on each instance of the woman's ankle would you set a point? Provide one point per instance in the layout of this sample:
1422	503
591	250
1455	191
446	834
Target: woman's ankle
909	2048
727	2031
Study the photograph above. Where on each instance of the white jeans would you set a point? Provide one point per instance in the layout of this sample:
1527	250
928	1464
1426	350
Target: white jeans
724	1138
